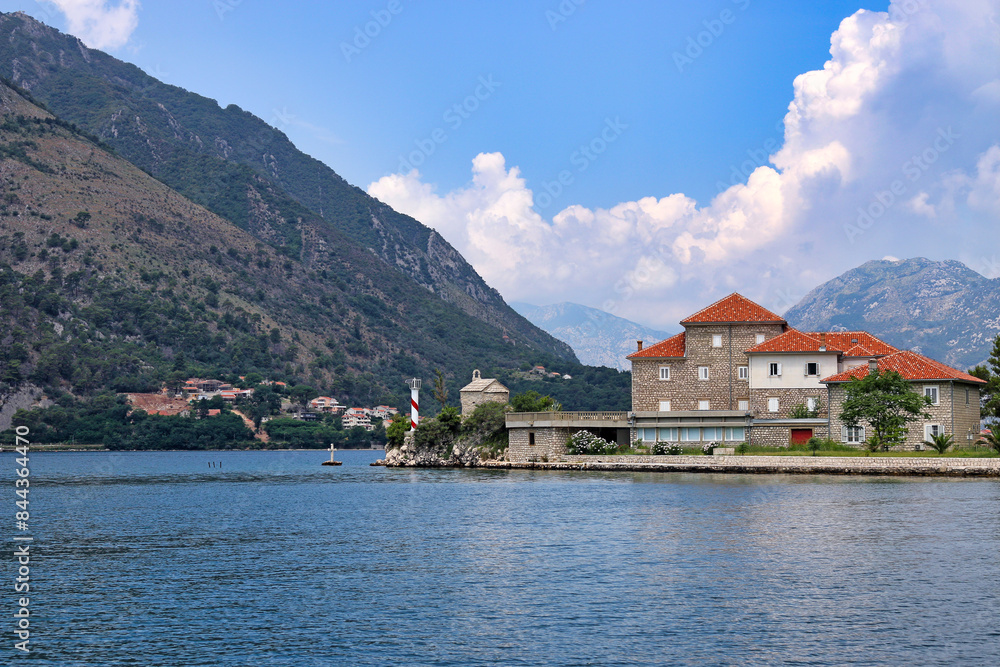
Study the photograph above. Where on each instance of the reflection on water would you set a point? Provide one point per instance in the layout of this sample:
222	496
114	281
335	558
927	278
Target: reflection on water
261	558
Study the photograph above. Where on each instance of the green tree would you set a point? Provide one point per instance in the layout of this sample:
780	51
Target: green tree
264	402
990	372
440	388
397	430
885	402
532	401
302	394
991	438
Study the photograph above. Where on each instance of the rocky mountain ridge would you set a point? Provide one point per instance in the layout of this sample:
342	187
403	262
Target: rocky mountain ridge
942	309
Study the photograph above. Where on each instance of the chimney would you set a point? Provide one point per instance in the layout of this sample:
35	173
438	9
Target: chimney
640	346
872	366
822	342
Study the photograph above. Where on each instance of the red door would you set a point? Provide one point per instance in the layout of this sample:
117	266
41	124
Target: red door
800	436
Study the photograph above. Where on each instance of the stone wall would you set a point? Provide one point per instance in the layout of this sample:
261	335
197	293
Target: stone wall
960	422
860	465
684	390
549	443
787	400
473	399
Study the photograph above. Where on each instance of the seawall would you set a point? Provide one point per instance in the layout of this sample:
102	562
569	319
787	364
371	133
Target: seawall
794	465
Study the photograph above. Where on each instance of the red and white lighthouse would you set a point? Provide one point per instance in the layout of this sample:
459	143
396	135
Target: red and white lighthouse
414	386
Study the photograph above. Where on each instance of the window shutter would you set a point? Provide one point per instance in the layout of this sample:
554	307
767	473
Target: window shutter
843	434
779	369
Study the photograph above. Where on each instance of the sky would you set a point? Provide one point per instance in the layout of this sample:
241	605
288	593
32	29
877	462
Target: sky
645	158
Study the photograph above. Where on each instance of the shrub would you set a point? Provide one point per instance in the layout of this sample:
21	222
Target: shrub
709	448
672	448
585	442
940	442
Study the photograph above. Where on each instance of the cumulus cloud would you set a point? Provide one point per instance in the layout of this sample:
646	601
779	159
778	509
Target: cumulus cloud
98	24
892	139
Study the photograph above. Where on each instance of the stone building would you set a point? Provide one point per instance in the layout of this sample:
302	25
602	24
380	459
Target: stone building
482	390
739	373
953	408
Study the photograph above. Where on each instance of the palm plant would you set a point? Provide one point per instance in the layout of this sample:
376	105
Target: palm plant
991	438
940	442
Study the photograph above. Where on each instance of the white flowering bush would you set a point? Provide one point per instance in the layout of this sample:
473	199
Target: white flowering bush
585	442
673	448
708	448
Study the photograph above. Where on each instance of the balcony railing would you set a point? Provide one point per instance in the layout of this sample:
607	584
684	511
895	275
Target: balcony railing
517	417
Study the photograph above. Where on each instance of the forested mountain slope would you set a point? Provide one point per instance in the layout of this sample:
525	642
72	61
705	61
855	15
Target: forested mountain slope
110	279
240	168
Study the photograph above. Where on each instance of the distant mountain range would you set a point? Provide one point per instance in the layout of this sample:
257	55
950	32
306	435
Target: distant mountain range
944	310
597	337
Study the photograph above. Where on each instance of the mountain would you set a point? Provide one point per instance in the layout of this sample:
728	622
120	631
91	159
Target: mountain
944	310
109	279
597	337
240	168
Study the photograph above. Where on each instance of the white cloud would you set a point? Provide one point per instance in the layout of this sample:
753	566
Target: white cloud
878	150
99	25
985	193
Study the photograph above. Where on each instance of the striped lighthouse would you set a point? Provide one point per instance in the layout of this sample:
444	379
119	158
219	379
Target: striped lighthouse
414	386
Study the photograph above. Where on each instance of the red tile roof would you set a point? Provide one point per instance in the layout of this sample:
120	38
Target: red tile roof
856	343
733	308
793	340
671	347
911	366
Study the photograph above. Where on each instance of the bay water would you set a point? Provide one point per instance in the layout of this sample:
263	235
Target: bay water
269	558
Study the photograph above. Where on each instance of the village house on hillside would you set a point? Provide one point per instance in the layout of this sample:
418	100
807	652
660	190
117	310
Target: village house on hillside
482	390
739	373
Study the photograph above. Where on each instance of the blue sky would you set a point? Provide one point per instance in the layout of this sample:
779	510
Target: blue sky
632	156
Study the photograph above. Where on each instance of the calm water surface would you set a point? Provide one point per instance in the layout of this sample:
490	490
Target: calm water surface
267	558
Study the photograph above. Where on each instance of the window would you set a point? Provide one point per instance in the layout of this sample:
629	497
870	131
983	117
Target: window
664	406
931	393
772	405
811	403
702	372
743	404
716	340
703	405
690	434
759	338
735	433
743	372
812	368
711	433
930	430
647	434
668	435
774	369
853	434
664	372
531	439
